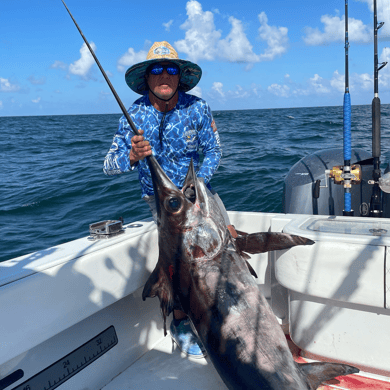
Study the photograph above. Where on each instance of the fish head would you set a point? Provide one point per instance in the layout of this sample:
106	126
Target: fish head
177	207
190	217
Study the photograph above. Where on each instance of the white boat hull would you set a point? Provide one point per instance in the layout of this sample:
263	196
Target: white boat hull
332	296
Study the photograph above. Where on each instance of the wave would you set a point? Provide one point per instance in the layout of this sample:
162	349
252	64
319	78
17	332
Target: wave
53	185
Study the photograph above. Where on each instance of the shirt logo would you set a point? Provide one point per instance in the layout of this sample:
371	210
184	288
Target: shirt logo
214	126
161	50
191	138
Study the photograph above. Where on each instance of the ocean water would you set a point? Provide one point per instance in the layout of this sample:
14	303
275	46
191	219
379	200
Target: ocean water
53	186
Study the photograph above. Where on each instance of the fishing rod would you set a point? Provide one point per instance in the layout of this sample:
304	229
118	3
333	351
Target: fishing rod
347	128
125	113
151	160
376	197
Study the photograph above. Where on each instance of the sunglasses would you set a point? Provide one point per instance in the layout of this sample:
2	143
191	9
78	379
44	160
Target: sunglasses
171	69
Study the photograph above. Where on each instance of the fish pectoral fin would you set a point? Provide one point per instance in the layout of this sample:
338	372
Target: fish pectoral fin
160	285
244	255
316	373
265	242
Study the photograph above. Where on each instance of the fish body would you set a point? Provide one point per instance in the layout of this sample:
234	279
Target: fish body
202	270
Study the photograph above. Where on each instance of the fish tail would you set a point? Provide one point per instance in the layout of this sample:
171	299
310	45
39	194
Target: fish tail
316	373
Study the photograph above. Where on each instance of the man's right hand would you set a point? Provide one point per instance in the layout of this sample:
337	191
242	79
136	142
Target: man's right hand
139	148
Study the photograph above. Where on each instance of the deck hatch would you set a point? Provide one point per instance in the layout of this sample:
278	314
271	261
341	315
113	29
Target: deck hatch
350	227
71	364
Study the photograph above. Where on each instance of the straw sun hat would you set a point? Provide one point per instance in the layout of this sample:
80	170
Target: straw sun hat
190	73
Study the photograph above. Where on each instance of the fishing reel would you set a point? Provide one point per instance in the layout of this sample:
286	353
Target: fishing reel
345	175
341	175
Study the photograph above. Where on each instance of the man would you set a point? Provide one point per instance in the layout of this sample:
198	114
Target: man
174	127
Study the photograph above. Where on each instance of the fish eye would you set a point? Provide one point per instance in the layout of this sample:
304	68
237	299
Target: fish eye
173	204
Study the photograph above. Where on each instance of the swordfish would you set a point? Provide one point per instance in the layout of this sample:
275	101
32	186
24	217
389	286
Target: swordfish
202	270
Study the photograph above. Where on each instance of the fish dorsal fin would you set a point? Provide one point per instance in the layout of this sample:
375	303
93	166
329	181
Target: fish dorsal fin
265	242
160	285
316	373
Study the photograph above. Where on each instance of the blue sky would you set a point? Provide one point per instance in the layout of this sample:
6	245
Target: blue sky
261	54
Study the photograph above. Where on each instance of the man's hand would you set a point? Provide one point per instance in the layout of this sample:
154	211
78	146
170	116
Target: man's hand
139	148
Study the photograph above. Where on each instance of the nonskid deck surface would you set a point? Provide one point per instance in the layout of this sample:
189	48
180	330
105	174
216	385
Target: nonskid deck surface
165	367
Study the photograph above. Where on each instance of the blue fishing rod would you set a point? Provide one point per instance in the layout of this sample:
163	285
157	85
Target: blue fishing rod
376	197
347	128
347	174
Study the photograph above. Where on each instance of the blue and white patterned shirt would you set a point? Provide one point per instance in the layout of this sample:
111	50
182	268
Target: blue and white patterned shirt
188	129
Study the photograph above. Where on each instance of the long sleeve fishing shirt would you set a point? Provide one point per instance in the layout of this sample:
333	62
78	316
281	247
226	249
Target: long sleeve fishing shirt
186	130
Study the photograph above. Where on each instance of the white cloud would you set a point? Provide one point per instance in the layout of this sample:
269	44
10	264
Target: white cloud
34	81
338	81
317	85
335	86
364	80
276	37
300	92
82	66
239	93
279	90
59	65
255	89
217	92
217	87
130	58
236	46
357	83
168	25
203	41
334	30
201	37
385	55
383	12
6	86
1	104
37	100
384	73
197	91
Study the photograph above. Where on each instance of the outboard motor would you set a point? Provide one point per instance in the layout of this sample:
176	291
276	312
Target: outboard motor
318	185
310	189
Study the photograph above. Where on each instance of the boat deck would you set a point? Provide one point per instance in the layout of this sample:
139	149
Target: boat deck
165	367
